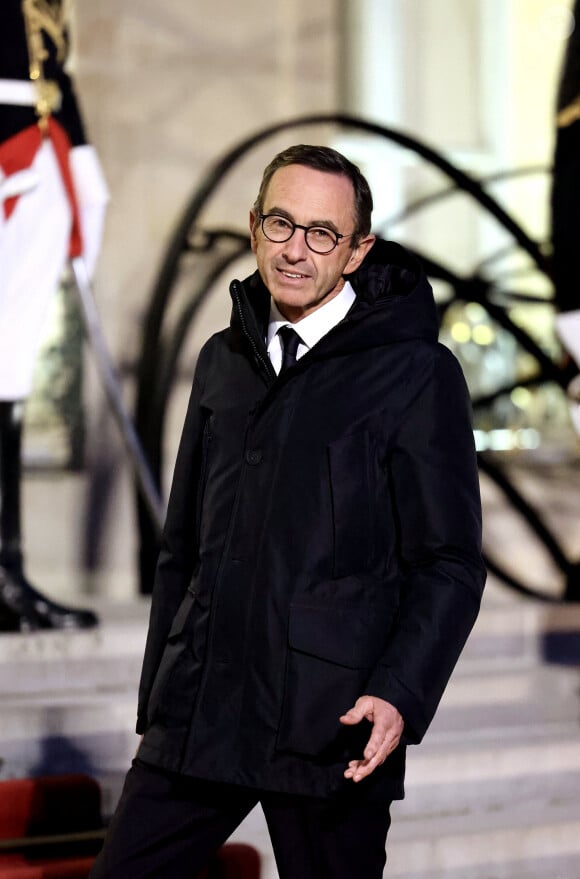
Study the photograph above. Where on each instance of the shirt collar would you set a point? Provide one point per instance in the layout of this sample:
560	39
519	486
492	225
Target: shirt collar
316	324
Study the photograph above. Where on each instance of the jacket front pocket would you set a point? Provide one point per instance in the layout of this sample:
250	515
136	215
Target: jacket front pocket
331	652
351	489
168	704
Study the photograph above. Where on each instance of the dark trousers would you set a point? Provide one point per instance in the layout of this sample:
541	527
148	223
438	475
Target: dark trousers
167	826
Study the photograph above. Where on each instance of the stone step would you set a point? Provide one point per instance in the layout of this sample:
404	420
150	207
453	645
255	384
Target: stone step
539	695
556	867
497	796
491	790
491	753
498	842
106	658
523	631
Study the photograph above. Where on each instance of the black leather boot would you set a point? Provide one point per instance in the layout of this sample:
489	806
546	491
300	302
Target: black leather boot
22	607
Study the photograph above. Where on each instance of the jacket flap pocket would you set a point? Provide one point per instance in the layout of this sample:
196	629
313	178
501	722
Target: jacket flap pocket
341	635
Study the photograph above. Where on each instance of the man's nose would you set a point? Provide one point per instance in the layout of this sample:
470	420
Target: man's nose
296	248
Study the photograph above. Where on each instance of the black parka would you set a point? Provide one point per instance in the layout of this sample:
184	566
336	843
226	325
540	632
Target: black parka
322	542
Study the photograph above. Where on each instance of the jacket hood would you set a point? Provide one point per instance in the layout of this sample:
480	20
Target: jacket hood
394	303
394	294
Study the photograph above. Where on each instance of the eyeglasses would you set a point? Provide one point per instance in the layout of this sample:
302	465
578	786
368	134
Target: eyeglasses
319	239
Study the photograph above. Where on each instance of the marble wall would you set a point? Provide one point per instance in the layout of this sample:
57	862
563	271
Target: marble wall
168	87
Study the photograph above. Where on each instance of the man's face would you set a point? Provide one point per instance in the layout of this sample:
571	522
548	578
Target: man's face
300	280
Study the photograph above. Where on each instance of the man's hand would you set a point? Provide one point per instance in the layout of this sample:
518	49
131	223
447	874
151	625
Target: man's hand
387	730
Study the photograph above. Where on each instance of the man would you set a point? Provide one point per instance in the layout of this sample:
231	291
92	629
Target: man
321	564
52	200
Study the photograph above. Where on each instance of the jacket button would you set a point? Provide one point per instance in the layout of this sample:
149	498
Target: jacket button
253	456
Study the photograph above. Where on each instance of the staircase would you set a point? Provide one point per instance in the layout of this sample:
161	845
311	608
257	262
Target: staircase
492	793
494	790
69	699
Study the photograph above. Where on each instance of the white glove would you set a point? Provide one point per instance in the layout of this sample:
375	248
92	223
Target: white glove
14	185
17	184
92	197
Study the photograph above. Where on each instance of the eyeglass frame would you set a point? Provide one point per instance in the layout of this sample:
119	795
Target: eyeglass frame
306	229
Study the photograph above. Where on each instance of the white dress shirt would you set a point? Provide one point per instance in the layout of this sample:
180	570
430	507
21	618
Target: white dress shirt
311	328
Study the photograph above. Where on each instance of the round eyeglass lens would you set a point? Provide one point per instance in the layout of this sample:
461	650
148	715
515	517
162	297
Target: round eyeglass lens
320	240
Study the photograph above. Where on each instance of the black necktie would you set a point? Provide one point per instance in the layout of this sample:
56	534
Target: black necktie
290	341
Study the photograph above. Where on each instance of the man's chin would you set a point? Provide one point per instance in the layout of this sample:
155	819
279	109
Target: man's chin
290	298
292	313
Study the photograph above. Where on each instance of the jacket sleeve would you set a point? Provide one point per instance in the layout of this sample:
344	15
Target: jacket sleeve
433	472
178	552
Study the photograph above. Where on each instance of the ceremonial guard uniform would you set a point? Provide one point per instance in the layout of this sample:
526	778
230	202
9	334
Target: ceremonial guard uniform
52	201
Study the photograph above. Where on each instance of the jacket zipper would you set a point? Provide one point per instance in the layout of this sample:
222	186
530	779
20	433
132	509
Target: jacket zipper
264	362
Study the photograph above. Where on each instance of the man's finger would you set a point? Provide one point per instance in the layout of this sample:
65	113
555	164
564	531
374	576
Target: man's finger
359	769
362	708
377	737
352	716
362	768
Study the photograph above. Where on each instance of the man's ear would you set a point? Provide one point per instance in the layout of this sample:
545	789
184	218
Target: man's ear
253	228
359	253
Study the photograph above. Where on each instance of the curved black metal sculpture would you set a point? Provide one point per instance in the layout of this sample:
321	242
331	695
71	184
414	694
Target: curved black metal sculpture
216	249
